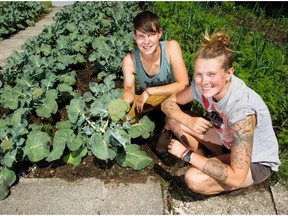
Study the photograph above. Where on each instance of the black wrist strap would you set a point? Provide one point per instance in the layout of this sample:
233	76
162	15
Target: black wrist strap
189	153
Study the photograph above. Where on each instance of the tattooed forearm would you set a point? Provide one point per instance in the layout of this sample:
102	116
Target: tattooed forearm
169	107
216	170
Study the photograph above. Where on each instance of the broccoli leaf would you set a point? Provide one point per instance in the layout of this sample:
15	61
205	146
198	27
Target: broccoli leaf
7	178
142	128
36	146
133	158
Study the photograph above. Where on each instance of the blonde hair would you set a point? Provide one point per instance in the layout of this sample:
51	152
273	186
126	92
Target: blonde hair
216	45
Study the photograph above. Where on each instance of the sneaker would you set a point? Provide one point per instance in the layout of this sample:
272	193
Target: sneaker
163	142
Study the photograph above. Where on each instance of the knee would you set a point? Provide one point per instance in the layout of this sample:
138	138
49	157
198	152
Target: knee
195	181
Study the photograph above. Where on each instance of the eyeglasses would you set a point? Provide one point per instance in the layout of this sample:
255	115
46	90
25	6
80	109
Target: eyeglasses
216	119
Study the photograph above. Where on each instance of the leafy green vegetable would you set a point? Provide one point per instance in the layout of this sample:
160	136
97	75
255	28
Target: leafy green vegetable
36	146
75	157
142	128
7	178
118	109
134	158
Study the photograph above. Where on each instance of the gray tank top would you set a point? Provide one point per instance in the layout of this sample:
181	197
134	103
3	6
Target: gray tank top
163	77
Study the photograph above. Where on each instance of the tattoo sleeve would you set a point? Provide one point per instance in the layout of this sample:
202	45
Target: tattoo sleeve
241	151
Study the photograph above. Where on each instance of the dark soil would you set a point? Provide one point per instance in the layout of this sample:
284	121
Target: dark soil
163	167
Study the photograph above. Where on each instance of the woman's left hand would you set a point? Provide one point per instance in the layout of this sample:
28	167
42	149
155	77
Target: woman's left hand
176	148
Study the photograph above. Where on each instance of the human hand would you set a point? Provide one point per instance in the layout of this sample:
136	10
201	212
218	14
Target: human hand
199	125
142	100
176	148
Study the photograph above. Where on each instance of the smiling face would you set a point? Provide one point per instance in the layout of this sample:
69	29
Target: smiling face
147	42
211	78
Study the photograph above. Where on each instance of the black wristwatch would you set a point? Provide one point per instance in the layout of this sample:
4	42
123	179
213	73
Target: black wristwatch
186	158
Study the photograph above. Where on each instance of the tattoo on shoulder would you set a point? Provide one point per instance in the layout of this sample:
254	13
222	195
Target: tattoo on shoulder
216	170
243	130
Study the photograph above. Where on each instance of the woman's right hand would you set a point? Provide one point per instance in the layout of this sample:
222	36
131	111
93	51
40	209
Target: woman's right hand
199	125
141	101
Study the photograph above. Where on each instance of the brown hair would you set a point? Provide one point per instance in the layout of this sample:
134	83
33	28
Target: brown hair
216	45
146	21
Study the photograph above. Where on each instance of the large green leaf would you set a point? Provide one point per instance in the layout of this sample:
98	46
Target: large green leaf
68	78
121	136
100	146
18	117
10	158
48	108
99	109
10	97
76	156
133	158
142	128
36	146
59	143
102	48
76	143
7	178
76	110
49	105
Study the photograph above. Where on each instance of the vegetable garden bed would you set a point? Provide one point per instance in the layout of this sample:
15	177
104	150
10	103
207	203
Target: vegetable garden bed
60	116
60	97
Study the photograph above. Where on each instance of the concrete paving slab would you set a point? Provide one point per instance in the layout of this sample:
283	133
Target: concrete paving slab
254	200
280	198
87	196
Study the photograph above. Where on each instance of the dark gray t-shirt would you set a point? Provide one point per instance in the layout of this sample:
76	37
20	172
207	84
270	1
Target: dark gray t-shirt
163	77
239	102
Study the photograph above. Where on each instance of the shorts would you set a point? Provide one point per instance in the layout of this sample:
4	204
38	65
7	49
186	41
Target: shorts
260	172
153	103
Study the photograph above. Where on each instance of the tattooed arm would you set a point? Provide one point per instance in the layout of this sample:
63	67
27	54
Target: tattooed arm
235	173
231	170
172	110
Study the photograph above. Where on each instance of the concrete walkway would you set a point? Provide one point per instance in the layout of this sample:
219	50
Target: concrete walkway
93	196
16	41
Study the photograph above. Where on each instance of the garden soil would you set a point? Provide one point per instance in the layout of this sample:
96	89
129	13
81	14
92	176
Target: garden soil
177	199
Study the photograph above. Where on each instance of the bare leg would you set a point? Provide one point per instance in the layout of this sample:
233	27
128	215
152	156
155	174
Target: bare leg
200	182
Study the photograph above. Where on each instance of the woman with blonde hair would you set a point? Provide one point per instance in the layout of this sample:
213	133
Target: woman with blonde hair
239	133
